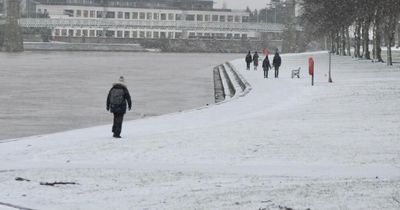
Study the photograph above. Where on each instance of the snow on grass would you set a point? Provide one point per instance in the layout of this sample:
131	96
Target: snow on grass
285	144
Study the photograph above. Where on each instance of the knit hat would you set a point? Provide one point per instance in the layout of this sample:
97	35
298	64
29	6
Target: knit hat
121	79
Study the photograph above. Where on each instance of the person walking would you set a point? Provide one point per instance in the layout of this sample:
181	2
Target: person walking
276	63
117	99
266	66
255	60
248	60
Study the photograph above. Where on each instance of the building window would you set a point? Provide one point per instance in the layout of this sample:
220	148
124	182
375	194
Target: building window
85	13
127	34
110	15
192	35
163	16
155	34
155	16
245	19
78	32
171	35
110	33
92	13
99	14
142	16
170	16
230	18
237	19
64	32
178	35
119	34
99	33
69	13
229	36
244	36
178	17
222	18
134	15
92	33
127	15
190	17
70	32
141	34
215	18
199	34
57	32
163	35
78	13
207	18
85	33
134	34
149	16
199	17
120	15
148	34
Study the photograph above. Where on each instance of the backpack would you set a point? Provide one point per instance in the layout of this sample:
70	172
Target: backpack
117	96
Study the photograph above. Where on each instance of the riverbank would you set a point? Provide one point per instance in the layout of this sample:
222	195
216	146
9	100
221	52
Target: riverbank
283	145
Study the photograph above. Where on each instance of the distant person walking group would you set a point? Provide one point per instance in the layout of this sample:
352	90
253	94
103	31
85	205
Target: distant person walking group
266	65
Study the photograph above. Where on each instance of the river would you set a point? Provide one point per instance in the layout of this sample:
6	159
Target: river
47	92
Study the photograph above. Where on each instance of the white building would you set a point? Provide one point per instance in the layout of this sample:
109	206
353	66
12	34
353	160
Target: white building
146	23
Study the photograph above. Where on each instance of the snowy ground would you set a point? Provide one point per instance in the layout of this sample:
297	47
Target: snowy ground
285	144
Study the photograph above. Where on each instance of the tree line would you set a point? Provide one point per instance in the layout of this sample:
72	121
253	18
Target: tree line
354	24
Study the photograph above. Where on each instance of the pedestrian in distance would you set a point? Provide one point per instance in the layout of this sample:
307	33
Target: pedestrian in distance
255	60
276	63
248	60
117	100
266	66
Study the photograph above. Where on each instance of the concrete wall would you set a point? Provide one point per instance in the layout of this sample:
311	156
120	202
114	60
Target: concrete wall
185	45
54	46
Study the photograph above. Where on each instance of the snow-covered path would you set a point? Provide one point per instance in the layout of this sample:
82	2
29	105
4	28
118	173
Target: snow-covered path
285	144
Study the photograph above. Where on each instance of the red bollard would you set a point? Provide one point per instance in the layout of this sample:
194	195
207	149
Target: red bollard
311	69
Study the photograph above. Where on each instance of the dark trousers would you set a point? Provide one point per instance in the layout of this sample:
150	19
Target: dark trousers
117	126
276	72
265	73
248	66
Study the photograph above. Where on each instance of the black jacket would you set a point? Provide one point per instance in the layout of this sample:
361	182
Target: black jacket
277	60
255	59
266	65
249	59
122	107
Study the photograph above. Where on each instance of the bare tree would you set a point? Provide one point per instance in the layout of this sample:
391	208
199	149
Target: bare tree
390	21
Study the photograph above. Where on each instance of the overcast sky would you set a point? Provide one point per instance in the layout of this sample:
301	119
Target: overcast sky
241	4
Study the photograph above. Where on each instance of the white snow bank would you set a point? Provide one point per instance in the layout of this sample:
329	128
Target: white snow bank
285	144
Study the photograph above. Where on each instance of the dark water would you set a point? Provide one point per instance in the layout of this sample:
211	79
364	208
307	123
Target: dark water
46	92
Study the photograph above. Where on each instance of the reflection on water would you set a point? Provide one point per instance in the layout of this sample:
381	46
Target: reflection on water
45	92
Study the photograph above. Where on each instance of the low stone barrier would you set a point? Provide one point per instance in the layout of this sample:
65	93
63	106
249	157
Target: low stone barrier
57	46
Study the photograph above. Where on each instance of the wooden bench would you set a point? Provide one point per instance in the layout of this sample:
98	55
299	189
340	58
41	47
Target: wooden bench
296	73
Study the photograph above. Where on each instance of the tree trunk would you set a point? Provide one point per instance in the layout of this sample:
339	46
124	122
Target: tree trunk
389	53
377	41
348	41
389	42
365	35
398	34
337	39
357	38
343	38
374	43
